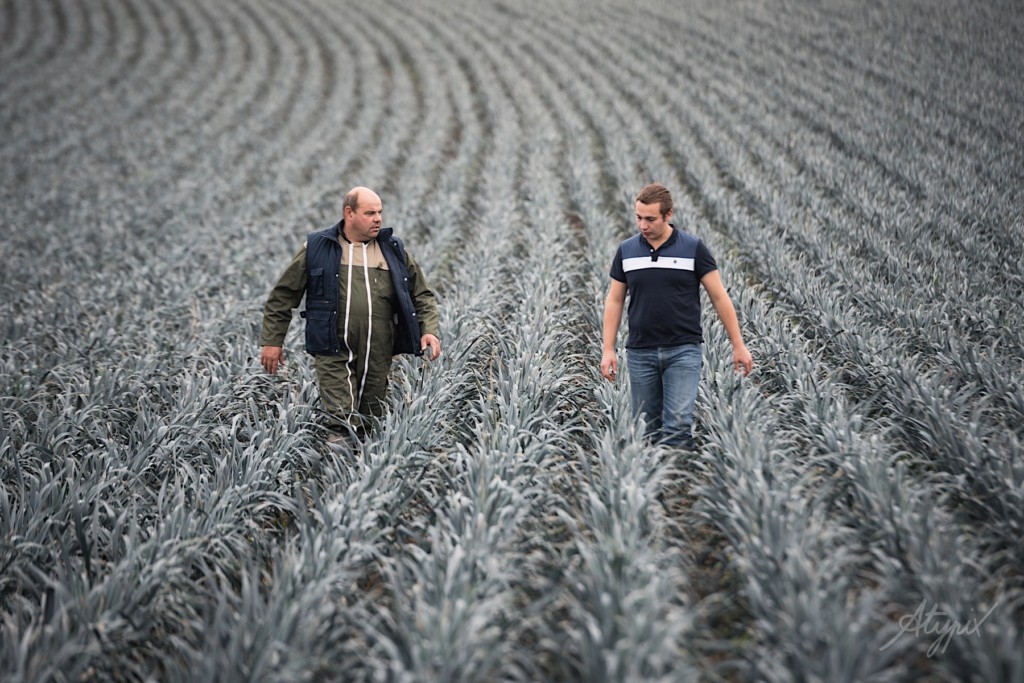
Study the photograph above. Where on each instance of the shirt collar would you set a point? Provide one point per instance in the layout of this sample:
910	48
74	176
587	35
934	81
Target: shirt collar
671	240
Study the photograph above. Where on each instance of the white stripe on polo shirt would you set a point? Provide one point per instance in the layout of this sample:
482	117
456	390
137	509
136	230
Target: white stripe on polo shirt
670	262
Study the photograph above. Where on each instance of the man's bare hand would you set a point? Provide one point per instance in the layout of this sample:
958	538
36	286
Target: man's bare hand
609	365
271	358
742	360
429	340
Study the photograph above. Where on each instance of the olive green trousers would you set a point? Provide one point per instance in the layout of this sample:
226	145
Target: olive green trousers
351	392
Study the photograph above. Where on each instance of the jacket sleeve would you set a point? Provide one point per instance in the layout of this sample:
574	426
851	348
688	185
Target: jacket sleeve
286	295
423	299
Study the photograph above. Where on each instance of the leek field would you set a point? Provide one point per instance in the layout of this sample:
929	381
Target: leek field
855	508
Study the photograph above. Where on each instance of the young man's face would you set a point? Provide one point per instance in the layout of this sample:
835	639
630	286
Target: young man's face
649	221
363	224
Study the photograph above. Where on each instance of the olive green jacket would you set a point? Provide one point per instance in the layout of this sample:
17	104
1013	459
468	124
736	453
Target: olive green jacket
356	305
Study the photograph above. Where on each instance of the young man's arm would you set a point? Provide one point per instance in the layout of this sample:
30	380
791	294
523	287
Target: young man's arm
741	357
614	303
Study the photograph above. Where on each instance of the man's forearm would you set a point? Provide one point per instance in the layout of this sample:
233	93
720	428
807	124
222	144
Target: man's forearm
727	314
286	295
423	300
610	328
275	325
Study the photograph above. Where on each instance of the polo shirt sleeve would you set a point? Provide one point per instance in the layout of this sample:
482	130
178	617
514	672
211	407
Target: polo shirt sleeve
703	262
617	272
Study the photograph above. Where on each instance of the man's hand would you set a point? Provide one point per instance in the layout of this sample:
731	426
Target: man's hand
271	358
741	359
429	340
609	365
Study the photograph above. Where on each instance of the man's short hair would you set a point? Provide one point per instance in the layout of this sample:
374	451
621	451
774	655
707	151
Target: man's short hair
656	193
351	200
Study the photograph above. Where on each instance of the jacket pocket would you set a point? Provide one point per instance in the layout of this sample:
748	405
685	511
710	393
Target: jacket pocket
316	281
319	325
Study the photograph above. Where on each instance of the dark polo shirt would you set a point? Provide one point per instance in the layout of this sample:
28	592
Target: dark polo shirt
663	287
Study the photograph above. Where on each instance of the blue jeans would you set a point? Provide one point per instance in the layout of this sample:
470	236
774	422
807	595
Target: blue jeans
663	386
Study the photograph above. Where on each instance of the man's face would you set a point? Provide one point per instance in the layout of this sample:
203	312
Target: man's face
649	221
364	223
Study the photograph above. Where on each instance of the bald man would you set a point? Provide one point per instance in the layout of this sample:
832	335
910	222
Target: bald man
366	300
